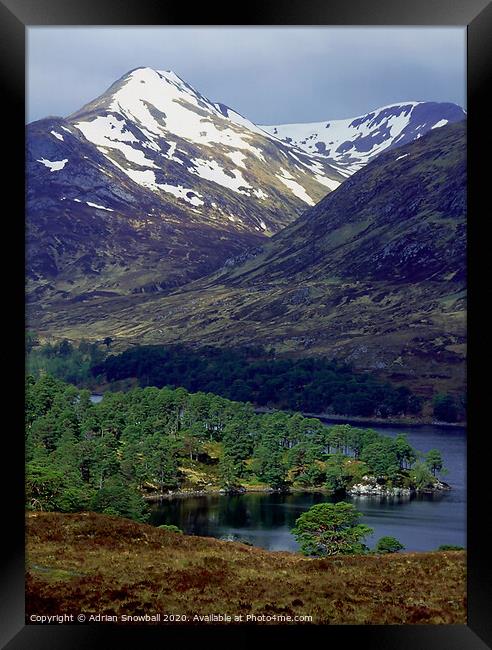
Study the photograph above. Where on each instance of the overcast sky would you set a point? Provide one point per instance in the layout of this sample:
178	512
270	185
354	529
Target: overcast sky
270	75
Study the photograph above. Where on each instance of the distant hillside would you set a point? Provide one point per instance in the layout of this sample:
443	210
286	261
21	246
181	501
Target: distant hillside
374	275
112	566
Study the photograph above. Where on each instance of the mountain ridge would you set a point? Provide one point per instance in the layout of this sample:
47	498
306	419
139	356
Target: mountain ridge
355	200
350	143
153	160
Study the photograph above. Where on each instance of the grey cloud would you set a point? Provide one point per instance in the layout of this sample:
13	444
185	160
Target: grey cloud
271	75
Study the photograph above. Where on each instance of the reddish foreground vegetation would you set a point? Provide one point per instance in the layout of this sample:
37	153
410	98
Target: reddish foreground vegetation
99	564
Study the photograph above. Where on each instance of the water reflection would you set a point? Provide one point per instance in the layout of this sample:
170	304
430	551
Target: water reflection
420	522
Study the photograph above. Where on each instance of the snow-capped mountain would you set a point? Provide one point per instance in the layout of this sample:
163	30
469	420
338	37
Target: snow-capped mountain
351	143
375	274
152	184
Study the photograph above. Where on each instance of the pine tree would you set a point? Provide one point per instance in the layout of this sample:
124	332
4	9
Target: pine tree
434	462
161	460
229	473
237	444
331	529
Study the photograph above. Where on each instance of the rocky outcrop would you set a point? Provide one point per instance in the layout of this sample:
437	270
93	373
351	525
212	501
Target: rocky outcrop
368	489
372	486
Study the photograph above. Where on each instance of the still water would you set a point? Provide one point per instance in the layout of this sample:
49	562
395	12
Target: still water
420	523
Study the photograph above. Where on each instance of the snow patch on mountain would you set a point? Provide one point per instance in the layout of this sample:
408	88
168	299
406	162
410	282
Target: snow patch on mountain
210	170
327	182
237	158
99	207
145	178
260	194
105	131
90	204
171	151
53	165
288	180
109	132
182	193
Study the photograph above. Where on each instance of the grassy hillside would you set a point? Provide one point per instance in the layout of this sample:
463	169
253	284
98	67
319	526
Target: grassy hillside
409	334
401	219
106	565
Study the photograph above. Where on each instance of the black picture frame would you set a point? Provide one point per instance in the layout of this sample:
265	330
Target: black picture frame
15	17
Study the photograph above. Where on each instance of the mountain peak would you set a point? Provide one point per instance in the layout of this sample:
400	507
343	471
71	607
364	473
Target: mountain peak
158	164
352	142
148	84
144	86
146	73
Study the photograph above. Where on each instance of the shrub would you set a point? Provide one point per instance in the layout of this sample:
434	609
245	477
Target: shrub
388	544
171	528
450	547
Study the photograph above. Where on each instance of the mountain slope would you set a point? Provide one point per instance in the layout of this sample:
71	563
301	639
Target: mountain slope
351	143
401	218
151	185
374	274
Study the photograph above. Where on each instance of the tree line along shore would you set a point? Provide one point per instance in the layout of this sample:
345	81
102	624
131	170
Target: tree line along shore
107	457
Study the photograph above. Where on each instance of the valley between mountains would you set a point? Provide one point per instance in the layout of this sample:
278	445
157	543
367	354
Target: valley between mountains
217	312
155	215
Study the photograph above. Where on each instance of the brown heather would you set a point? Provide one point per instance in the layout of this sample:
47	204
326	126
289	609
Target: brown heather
99	564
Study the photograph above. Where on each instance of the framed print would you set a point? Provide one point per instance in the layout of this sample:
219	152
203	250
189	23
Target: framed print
242	280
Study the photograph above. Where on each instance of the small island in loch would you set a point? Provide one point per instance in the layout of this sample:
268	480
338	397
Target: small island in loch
149	443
